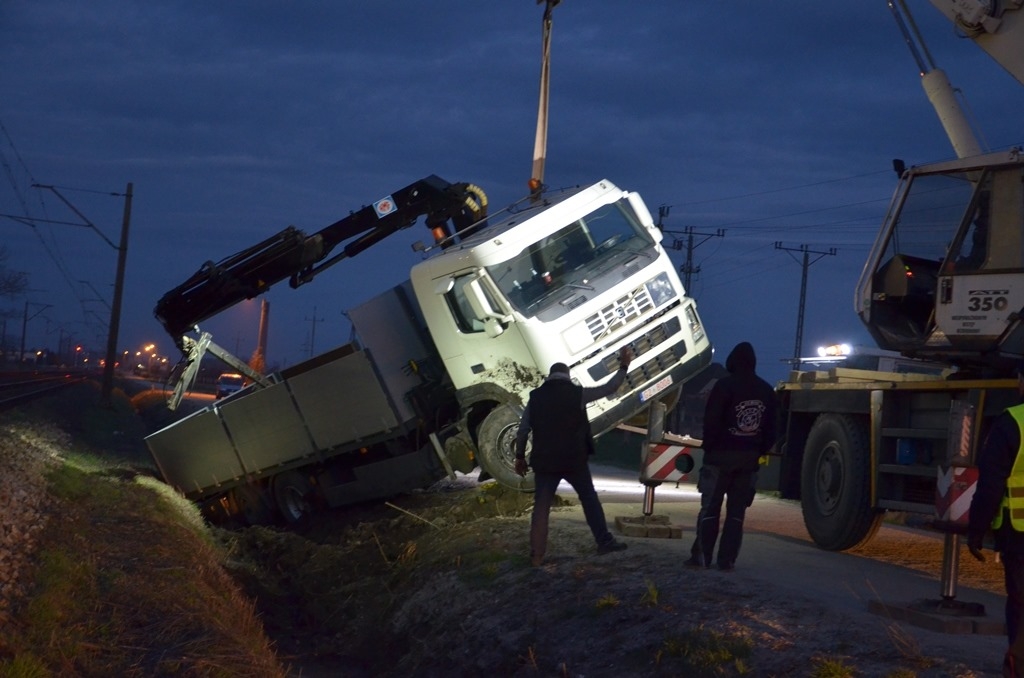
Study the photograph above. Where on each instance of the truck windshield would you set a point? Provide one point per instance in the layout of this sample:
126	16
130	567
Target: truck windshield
572	259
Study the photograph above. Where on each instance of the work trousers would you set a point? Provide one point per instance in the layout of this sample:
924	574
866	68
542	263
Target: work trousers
736	488
546	484
1013	570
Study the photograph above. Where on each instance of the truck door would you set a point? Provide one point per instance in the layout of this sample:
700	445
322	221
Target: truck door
474	330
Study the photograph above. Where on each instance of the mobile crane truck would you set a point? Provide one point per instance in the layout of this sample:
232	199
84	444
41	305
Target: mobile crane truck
943	282
440	367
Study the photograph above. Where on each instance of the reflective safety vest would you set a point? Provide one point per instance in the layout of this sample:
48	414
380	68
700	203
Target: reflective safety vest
1013	498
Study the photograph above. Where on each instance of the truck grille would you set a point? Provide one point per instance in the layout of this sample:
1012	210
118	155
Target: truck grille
620	312
640	346
665	361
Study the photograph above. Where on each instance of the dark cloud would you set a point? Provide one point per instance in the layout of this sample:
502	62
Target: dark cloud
774	121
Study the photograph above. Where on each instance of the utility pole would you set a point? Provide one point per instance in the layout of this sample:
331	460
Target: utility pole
312	339
687	269
663	211
24	325
806	263
122	257
115	306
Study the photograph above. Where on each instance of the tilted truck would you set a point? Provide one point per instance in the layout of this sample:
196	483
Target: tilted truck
442	364
943	282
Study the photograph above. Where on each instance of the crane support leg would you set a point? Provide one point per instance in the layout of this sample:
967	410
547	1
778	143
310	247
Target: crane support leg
194	350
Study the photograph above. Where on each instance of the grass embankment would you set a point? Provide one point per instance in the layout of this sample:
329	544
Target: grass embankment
126	580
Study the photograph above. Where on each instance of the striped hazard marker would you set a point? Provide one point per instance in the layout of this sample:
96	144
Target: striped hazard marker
954	489
666	463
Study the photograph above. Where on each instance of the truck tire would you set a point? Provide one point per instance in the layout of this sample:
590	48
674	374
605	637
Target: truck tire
253	505
294	496
496	442
835	482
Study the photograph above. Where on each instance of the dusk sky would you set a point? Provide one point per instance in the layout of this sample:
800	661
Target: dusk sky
232	120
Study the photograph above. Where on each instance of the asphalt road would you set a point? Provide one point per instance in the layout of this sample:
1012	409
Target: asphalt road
900	567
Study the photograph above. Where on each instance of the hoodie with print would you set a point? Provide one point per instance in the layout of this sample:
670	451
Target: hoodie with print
739	417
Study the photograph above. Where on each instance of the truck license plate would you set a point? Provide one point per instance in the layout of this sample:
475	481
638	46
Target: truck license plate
655	389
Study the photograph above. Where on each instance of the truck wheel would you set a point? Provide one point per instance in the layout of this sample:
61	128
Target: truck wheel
294	495
835	483
496	441
253	504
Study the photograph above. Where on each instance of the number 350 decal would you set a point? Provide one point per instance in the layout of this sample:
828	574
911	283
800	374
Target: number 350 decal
987	300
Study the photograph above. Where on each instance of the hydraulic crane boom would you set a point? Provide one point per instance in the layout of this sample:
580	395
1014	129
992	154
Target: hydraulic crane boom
945	278
293	254
996	27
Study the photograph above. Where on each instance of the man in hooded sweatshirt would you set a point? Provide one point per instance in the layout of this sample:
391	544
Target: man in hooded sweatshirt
556	414
739	427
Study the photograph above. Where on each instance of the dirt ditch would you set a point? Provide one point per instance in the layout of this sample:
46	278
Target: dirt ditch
438	583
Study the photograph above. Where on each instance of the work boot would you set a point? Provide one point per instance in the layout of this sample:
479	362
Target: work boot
611	546
726	567
694	561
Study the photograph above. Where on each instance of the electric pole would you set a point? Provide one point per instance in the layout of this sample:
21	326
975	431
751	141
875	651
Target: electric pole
24	325
687	269
312	336
122	257
115	306
806	263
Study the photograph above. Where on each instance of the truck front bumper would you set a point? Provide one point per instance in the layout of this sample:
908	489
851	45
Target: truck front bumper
639	383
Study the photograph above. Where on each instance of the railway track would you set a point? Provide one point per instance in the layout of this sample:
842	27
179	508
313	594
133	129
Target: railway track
17	388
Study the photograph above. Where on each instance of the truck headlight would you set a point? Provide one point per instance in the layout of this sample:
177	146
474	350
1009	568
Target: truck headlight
696	329
660	289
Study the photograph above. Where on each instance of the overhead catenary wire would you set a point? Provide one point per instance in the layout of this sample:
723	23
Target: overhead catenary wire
50	244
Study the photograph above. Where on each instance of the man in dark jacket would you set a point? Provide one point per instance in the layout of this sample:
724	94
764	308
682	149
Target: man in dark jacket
739	427
562	442
998	502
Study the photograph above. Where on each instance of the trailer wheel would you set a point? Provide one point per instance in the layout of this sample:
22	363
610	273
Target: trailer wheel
253	504
496	441
835	483
294	495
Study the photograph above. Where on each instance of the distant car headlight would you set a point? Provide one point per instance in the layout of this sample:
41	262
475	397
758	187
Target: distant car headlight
660	289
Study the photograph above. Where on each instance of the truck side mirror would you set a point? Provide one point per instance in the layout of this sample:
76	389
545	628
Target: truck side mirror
493	327
482	308
444	285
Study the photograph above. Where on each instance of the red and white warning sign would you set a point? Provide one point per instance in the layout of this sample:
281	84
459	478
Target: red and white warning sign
954	489
660	464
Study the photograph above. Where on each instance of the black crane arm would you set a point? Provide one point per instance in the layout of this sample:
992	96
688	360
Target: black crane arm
293	254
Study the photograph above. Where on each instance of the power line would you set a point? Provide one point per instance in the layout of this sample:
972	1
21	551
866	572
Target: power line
782	190
51	245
